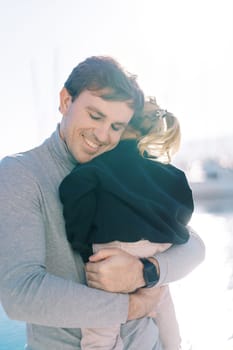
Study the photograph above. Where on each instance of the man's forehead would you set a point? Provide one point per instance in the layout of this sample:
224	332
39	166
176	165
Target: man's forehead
94	101
108	94
102	92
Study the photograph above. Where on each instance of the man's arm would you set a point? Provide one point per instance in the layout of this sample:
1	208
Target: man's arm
179	260
114	270
117	271
28	291
143	301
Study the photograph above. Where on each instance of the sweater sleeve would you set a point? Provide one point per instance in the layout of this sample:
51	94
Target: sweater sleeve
28	292
179	260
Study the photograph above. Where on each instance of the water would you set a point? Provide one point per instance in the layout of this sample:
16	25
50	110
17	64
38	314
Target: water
204	299
12	333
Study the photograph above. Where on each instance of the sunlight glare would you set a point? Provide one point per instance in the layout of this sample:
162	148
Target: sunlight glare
203	302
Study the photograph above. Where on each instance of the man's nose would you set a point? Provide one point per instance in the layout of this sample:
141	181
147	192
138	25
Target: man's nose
102	134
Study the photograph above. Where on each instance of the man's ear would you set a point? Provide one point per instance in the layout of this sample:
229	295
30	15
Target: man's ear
65	101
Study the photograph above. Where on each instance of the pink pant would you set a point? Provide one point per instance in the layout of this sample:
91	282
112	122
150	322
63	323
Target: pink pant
109	338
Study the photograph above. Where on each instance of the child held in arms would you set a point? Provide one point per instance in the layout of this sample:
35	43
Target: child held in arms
132	198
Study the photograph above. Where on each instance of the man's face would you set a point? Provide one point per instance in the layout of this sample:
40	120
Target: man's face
91	125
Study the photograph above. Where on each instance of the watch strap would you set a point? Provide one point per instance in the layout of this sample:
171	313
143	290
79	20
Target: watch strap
150	273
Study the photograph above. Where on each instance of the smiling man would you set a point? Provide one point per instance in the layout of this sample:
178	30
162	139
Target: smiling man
92	125
42	280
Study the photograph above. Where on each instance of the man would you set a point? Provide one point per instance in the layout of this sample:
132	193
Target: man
41	279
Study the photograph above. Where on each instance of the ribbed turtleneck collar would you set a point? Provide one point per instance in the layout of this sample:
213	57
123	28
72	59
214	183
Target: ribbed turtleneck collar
59	149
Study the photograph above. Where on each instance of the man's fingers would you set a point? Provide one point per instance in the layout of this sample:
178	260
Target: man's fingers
91	268
94	284
111	265
152	314
95	280
91	276
143	302
104	254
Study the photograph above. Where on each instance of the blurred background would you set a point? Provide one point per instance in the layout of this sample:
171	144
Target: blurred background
182	52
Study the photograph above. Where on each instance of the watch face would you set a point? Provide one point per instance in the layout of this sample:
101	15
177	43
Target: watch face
150	274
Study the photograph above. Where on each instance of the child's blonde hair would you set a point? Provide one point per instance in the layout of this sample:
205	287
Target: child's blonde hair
157	131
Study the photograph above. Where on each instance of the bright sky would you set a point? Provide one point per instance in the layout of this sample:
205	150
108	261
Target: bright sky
182	52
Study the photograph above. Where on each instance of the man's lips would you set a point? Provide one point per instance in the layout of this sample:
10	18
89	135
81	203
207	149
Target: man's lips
92	145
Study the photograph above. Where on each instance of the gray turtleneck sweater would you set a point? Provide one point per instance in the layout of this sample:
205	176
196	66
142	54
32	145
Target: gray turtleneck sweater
41	278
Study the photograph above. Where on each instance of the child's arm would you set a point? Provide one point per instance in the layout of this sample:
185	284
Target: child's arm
167	322
77	193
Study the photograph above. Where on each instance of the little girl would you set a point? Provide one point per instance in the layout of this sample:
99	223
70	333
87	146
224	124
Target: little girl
133	199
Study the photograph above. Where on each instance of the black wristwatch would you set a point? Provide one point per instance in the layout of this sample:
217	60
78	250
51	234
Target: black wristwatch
150	273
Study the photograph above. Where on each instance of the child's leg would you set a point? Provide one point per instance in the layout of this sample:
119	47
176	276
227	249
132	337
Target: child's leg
167	322
109	338
101	338
165	315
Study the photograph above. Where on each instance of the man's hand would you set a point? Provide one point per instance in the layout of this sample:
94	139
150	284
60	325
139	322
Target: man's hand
114	270
144	302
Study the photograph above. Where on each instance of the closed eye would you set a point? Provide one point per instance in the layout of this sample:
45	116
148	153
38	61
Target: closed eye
95	116
118	127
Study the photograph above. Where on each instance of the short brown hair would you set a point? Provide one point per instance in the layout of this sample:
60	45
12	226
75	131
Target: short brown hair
105	73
